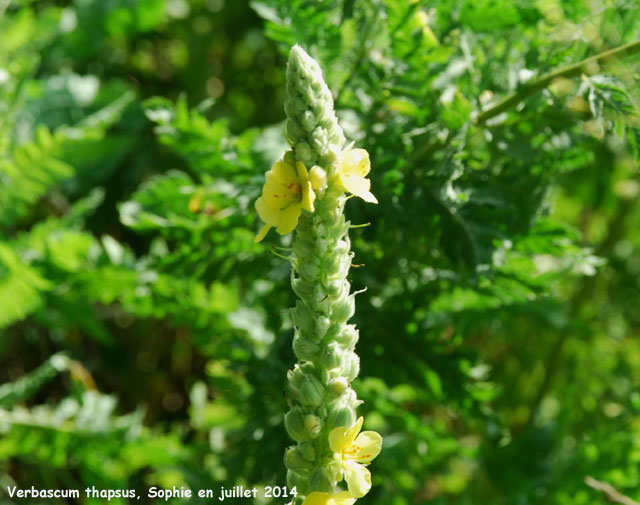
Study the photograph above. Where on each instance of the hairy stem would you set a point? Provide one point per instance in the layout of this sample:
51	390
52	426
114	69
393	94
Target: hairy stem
572	70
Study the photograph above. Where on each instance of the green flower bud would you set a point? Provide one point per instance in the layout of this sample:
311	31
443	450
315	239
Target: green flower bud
339	384
336	288
322	326
351	367
343	309
335	152
331	356
307	451
309	269
292	393
309	93
318	481
344	267
344	416
307	368
304	153
320	138
301	483
342	247
311	392
303	289
321	244
296	376
331	268
346	399
332	332
292	131
348	337
294	461
294	424
303	317
320	109
313	425
304	349
308	120
302	250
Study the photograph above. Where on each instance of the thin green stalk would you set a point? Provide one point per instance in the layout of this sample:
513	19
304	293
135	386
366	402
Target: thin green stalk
569	71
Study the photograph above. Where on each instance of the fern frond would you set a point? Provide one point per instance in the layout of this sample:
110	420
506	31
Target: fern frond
30	172
208	147
20	287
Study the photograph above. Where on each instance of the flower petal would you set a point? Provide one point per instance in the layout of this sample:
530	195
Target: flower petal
358	186
318	177
262	233
268	214
349	146
283	172
358	478
279	195
366	446
308	196
317	498
350	436
343	498
338	440
276	195
289	218
303	175
356	162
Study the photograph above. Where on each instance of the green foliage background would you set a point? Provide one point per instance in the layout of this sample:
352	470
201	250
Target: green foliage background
144	337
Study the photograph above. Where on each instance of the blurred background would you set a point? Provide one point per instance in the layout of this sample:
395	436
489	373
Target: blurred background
144	338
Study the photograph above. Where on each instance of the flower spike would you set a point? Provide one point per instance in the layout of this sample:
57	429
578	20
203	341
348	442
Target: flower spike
305	191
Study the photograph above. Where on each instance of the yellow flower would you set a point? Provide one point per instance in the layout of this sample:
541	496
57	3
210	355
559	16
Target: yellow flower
352	452
354	167
287	190
316	498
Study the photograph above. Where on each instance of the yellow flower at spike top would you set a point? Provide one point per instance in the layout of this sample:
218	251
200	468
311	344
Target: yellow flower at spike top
288	190
352	453
352	174
342	498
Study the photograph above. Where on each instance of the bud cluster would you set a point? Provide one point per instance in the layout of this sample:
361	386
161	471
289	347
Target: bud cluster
311	128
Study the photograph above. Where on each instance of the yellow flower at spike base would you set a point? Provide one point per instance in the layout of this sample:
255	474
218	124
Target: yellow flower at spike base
352	173
342	498
287	191
352	453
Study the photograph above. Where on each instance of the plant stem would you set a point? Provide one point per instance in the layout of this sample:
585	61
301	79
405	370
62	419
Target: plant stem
572	70
612	494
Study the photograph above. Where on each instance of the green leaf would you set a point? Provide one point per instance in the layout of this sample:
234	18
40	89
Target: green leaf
20	287
28	385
